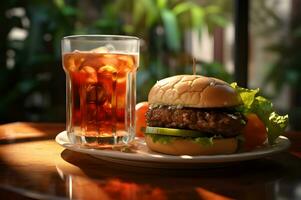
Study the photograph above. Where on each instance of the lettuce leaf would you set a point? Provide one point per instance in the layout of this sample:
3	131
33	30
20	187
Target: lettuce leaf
205	141
247	95
165	139
263	108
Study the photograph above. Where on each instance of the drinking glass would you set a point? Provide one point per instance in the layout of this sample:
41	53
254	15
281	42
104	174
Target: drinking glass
100	88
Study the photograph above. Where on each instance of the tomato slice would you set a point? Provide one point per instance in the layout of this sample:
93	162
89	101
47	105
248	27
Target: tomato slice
254	132
141	109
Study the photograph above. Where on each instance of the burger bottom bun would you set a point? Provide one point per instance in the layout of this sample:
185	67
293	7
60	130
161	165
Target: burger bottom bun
188	147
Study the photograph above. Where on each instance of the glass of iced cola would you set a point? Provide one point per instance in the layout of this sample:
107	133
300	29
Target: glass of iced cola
100	89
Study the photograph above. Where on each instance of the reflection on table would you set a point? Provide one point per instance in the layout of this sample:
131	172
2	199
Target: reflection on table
34	166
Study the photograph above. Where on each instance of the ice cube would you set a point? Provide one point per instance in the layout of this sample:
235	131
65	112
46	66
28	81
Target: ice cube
91	74
108	69
71	65
102	49
126	62
110	47
96	93
91	93
102	95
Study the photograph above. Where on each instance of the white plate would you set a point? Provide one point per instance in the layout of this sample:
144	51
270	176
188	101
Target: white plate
142	156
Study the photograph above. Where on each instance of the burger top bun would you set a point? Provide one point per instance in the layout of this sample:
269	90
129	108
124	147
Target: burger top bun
193	91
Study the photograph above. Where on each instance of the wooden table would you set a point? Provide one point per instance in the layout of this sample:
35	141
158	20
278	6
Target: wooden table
33	166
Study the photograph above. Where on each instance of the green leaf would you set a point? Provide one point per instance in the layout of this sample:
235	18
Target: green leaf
275	123
219	20
276	126
247	95
161	4
163	139
181	8
59	3
197	17
172	33
138	12
205	141
212	9
102	23
151	12
263	108
69	11
129	28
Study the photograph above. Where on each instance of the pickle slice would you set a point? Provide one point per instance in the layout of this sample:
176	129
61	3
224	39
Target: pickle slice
174	132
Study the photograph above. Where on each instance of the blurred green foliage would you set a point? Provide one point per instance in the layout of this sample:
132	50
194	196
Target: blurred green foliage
33	81
285	70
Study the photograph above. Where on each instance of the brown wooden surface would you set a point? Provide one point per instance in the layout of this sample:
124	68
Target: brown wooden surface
33	166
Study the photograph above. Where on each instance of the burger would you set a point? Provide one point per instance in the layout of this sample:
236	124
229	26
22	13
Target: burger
193	115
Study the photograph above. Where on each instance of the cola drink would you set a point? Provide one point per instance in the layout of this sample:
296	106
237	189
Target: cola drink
100	95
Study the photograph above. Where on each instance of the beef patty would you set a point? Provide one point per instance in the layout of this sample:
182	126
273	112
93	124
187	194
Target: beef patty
227	123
